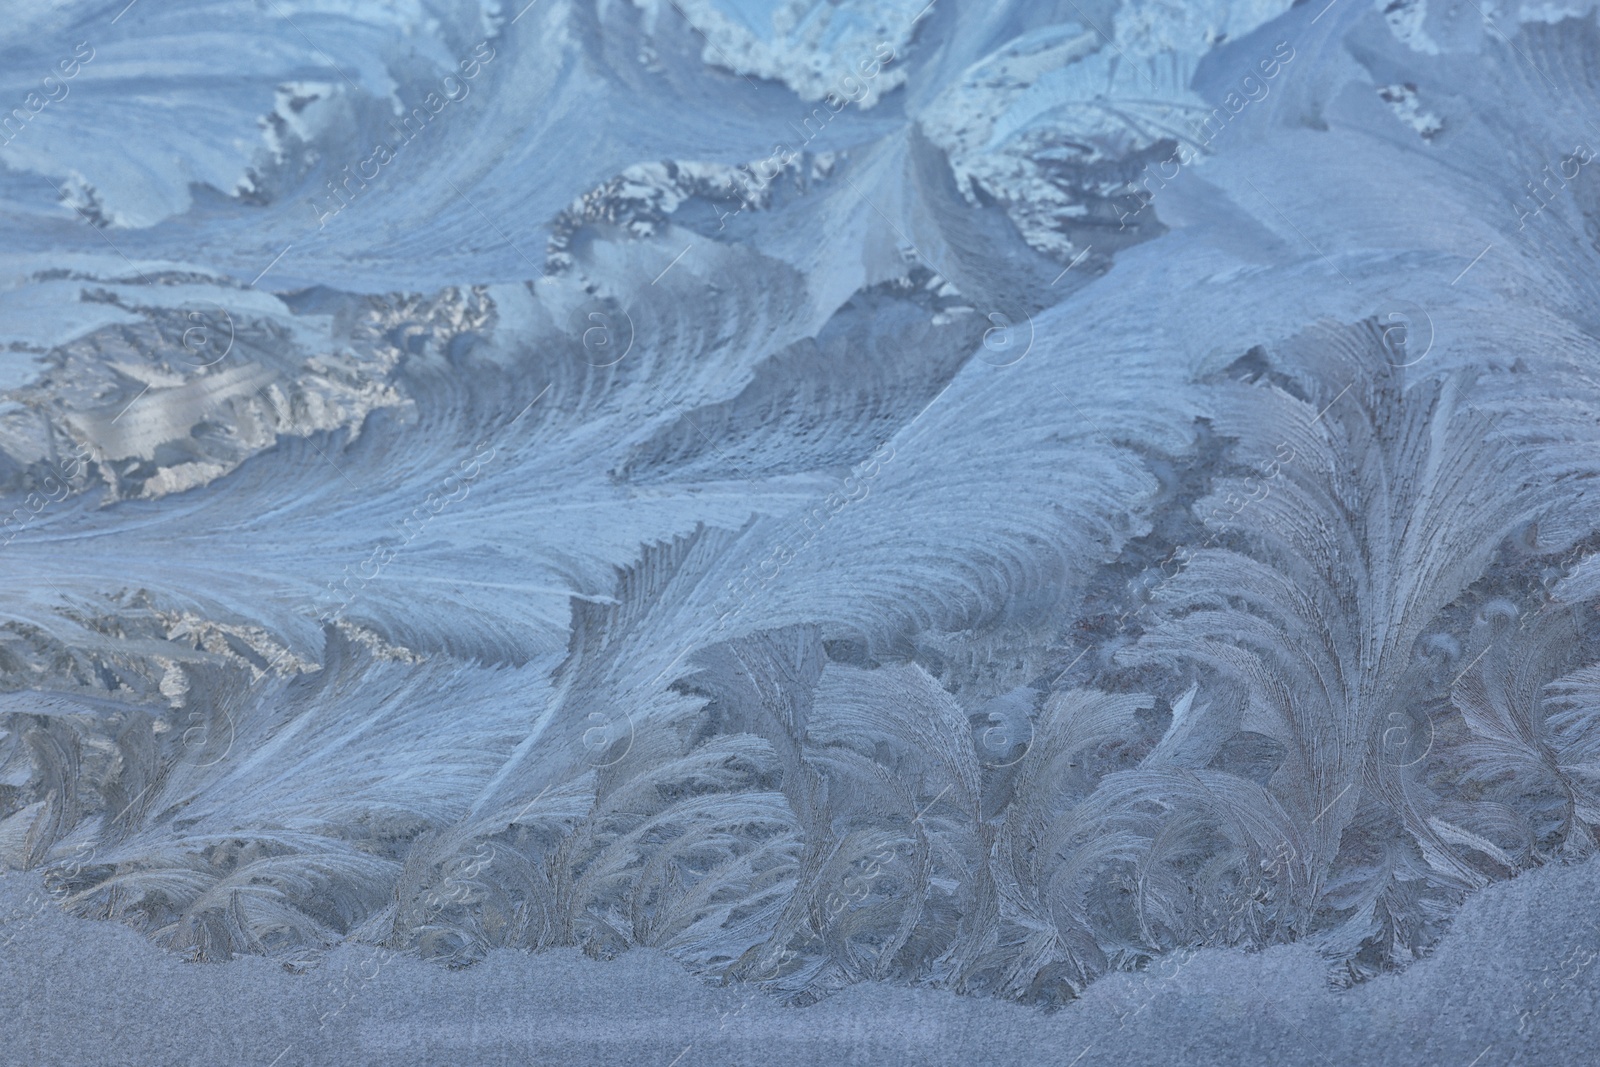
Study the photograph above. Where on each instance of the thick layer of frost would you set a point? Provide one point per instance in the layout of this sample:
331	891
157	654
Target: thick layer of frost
1107	481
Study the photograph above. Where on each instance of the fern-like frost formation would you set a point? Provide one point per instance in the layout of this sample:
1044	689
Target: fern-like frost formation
974	495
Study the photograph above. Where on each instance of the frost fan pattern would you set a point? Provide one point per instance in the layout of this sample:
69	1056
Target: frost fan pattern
966	494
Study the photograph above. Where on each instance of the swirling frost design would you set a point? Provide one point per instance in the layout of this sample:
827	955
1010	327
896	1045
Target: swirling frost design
964	494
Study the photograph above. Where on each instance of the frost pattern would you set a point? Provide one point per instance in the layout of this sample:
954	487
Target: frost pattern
860	559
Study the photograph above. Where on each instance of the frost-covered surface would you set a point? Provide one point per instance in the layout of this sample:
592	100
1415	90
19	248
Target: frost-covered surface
1512	982
981	496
